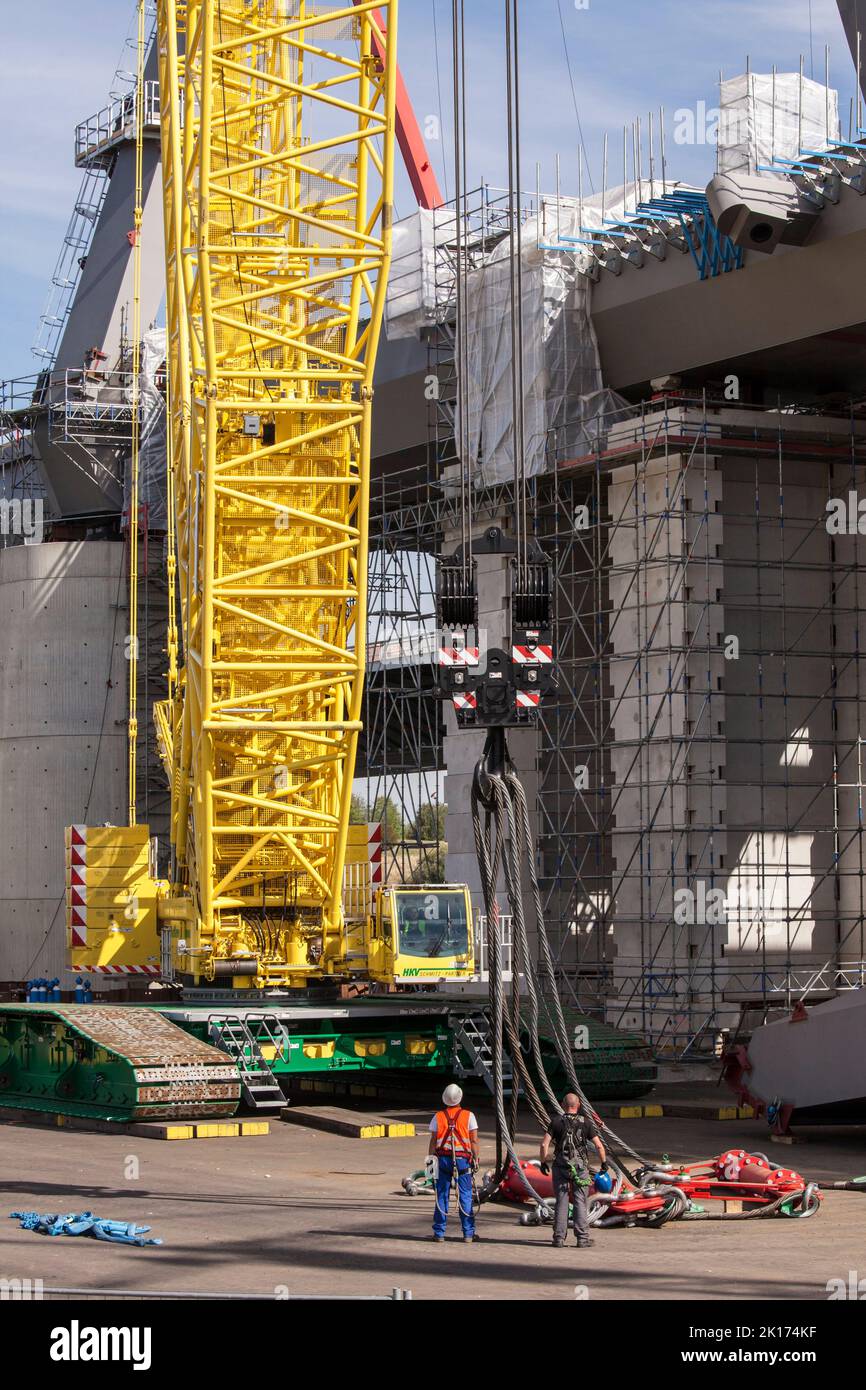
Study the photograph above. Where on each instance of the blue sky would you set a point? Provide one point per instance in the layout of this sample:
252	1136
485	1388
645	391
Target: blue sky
628	57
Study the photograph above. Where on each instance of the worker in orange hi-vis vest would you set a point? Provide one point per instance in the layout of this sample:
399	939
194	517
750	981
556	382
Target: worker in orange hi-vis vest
453	1160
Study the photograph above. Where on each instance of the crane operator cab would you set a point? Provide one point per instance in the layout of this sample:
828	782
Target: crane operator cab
421	935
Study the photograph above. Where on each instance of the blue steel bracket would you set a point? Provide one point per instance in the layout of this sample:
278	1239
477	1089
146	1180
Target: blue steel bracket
713	253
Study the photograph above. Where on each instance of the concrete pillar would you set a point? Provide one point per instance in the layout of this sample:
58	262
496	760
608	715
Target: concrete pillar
63	734
666	630
737	705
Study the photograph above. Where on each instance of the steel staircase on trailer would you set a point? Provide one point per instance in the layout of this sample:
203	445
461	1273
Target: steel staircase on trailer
232	1034
472	1033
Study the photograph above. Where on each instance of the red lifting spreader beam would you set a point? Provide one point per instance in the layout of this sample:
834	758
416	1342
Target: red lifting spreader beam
425	185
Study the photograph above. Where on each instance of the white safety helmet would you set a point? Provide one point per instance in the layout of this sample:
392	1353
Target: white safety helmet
452	1095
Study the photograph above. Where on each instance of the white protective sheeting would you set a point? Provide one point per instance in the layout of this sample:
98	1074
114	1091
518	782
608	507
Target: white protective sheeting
152	451
763	118
421	283
564	400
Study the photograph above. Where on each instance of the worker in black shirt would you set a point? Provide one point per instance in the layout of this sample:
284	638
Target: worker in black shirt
571	1134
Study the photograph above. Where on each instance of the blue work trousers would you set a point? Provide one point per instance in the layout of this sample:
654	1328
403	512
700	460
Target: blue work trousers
443	1195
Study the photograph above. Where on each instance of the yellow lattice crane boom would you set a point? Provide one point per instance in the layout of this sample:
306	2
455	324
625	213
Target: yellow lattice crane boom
278	263
278	141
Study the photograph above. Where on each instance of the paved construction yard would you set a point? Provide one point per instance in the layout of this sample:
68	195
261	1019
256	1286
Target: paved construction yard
316	1214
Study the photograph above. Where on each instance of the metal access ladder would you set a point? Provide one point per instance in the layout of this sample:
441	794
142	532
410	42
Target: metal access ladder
70	263
232	1034
473	1035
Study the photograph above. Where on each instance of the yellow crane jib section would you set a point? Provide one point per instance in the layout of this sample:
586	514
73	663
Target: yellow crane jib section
278	127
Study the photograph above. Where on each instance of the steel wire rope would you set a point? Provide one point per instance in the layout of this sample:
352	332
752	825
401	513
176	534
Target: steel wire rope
502	813
522	965
135	451
521	366
439	91
523	850
806	1201
458	39
553	1004
489	848
464	218
515	283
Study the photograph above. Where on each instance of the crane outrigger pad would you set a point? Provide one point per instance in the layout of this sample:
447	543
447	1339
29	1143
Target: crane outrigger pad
110	1062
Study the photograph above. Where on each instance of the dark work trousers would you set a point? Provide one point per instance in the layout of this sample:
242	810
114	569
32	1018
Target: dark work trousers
562	1191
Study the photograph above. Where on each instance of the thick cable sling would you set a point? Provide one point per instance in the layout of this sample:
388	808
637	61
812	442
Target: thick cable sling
504	844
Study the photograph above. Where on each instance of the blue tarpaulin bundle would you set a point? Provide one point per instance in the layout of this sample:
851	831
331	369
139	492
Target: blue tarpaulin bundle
85	1224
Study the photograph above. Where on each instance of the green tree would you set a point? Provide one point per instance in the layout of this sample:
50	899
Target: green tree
431	866
428	833
384	810
429	824
360	812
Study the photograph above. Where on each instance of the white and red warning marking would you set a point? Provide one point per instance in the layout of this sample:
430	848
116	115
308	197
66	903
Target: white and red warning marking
123	970
463	702
528	699
78	926
374	851
76	886
532	656
459	656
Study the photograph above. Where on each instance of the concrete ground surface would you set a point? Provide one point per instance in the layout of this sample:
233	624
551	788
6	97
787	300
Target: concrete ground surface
317	1214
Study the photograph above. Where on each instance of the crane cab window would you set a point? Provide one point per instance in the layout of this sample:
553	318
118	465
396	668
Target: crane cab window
432	924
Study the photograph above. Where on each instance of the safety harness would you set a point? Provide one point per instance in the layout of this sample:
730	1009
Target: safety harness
573	1149
452	1138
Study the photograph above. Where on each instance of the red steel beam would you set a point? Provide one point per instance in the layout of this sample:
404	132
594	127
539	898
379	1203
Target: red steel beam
413	147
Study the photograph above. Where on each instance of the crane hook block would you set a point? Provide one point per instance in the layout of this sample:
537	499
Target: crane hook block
492	687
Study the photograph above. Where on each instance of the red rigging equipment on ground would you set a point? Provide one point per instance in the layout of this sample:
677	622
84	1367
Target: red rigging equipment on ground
743	1185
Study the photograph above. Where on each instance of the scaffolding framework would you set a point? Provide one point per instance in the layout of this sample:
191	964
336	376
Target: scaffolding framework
20	480
699	776
700	772
701	781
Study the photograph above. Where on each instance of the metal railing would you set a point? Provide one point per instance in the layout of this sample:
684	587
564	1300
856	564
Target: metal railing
21	484
22	392
95	407
482	961
97	138
760	981
685	1010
